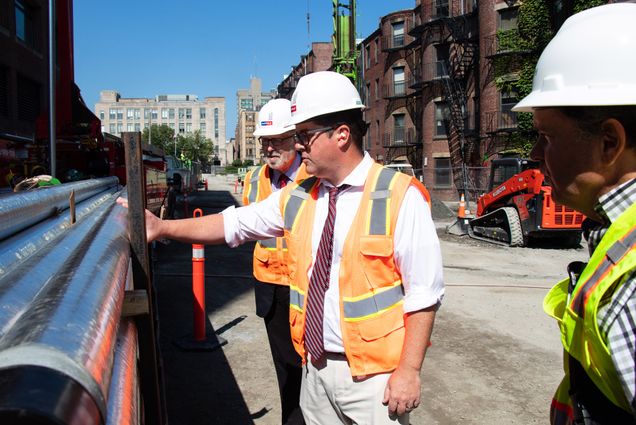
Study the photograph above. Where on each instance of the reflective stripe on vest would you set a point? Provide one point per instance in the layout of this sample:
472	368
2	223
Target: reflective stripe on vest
380	219
296	298
271	243
254	184
372	304
612	257
296	201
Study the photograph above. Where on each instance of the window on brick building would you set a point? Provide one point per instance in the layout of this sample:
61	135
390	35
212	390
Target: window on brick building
442	55
25	17
398	128
441	9
507	19
442	172
441	110
397	29
508	118
399	85
375	51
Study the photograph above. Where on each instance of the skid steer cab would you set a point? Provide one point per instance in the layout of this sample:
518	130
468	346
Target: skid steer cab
519	209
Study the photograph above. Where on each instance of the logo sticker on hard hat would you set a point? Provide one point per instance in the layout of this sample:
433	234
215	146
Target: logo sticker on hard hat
266	123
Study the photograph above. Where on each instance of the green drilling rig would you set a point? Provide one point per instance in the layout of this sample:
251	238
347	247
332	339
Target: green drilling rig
345	52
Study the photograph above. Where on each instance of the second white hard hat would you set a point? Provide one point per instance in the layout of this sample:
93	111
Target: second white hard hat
322	93
274	118
591	61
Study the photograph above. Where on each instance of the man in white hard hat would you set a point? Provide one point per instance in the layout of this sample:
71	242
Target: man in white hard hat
584	104
364	262
283	165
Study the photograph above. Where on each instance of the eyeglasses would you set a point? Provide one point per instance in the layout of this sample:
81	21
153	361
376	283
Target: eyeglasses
305	136
274	143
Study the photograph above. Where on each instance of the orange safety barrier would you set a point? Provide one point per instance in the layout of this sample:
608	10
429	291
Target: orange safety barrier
198	286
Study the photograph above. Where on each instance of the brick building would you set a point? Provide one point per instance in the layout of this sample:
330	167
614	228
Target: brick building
427	83
318	59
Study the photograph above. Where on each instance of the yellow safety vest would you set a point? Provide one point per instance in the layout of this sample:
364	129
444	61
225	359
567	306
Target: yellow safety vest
270	255
576	314
371	291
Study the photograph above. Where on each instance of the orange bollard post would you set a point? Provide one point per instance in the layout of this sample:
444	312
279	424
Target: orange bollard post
206	184
198	286
235	186
199	340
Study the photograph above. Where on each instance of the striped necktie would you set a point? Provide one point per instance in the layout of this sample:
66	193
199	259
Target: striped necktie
319	282
282	180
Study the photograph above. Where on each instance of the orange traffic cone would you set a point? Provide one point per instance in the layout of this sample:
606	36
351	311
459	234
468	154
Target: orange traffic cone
461	212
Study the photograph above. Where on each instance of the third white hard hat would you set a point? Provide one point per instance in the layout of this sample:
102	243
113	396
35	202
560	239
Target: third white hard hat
322	93
274	118
591	61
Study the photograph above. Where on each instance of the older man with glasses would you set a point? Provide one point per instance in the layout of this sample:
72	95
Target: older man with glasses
271	292
364	262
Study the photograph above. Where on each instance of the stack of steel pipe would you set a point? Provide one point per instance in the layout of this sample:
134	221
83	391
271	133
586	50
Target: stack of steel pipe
66	355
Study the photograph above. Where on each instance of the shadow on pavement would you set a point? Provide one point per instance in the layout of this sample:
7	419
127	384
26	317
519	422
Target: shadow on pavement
200	387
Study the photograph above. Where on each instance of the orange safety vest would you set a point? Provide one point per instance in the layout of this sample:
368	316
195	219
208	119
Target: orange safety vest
270	255
371	291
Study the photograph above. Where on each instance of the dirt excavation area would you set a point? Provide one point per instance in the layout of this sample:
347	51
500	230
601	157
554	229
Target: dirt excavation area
495	359
496	356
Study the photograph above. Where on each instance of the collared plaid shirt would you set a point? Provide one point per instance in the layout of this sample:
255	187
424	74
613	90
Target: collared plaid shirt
617	314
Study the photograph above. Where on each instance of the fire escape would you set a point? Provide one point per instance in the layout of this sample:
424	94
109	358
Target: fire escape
452	77
402	141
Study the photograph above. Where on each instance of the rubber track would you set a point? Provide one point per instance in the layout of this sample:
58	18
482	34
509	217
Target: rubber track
515	233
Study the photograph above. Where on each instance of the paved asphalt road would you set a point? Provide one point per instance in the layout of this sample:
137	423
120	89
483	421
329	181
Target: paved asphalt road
495	357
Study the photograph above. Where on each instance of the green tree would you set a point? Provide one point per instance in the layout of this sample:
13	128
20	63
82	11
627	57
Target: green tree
162	137
195	147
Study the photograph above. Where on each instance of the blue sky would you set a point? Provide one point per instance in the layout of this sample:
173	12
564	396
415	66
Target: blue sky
142	48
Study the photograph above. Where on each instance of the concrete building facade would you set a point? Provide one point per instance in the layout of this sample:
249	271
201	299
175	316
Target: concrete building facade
184	113
248	103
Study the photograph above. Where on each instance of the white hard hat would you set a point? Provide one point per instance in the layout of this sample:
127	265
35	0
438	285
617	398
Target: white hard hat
322	93
591	61
274	118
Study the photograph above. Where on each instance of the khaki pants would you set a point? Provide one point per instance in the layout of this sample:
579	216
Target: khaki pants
329	396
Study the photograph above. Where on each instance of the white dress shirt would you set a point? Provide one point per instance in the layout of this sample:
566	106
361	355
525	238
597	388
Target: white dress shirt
416	247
